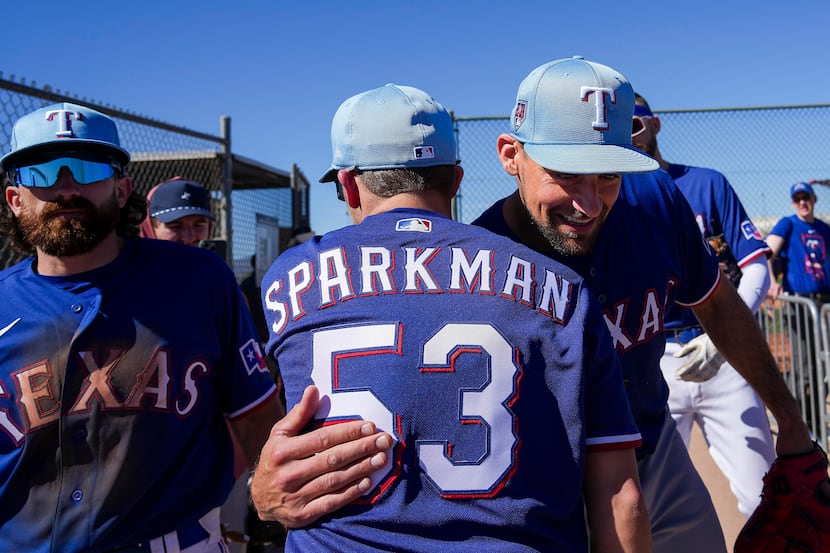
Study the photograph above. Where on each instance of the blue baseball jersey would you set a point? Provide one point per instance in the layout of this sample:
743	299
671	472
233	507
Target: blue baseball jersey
724	224
114	388
489	363
805	255
649	255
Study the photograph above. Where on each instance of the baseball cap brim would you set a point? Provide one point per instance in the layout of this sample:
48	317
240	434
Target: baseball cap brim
60	146
331	174
170	215
585	159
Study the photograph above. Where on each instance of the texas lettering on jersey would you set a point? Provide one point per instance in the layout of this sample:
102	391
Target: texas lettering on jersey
154	388
647	325
549	294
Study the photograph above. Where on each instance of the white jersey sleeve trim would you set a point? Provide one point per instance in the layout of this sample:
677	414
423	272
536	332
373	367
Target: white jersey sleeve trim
622	441
766	252
705	297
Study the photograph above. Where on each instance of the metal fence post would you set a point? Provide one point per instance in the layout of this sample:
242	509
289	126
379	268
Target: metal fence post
227	181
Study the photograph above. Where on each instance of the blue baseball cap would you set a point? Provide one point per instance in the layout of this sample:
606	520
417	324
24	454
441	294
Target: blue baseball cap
177	198
574	116
391	127
801	187
64	127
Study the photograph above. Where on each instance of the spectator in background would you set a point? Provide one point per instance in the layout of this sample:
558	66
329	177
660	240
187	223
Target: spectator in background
800	243
703	387
179	211
801	267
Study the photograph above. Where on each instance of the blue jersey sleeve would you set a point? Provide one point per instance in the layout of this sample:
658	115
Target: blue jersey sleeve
607	409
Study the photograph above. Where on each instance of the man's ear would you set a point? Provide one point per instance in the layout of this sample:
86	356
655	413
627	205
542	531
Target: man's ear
508	148
123	189
13	199
350	191
459	176
655	125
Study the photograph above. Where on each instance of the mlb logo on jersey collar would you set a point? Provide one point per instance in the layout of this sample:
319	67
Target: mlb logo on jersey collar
414	224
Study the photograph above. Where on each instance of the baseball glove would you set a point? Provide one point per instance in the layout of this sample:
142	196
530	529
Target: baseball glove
791	517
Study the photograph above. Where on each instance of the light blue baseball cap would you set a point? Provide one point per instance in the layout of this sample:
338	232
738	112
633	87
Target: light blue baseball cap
64	127
574	116
391	127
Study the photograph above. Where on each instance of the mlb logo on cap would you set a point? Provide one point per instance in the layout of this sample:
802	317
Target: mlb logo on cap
424	152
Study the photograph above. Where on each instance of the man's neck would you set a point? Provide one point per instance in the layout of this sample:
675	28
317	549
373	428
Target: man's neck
430	200
664	165
100	255
809	219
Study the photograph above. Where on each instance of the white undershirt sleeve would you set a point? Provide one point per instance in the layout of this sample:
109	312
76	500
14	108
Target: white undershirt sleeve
754	283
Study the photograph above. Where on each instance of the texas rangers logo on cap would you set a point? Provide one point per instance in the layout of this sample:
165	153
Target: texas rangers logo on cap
519	115
600	94
64	118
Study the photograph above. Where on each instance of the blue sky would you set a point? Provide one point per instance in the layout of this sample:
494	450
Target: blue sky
280	69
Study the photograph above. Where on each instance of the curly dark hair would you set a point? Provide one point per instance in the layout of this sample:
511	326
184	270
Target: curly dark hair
129	218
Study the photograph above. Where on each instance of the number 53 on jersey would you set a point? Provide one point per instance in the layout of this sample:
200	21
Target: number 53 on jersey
485	404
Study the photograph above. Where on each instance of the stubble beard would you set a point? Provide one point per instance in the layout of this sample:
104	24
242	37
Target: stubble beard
566	243
66	237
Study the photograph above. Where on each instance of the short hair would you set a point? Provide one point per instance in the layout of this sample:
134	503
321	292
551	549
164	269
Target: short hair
391	182
638	99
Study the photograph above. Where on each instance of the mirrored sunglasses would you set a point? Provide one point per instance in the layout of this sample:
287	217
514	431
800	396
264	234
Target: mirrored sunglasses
45	175
638	124
798	198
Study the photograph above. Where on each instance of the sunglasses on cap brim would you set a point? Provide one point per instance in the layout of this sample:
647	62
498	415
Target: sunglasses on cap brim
85	169
638	124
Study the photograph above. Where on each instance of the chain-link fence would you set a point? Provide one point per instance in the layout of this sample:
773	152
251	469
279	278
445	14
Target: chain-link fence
160	151
762	151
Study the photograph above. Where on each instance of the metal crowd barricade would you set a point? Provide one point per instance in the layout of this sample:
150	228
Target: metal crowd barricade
798	333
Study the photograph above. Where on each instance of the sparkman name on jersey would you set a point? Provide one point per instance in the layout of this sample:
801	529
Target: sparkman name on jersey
463	271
